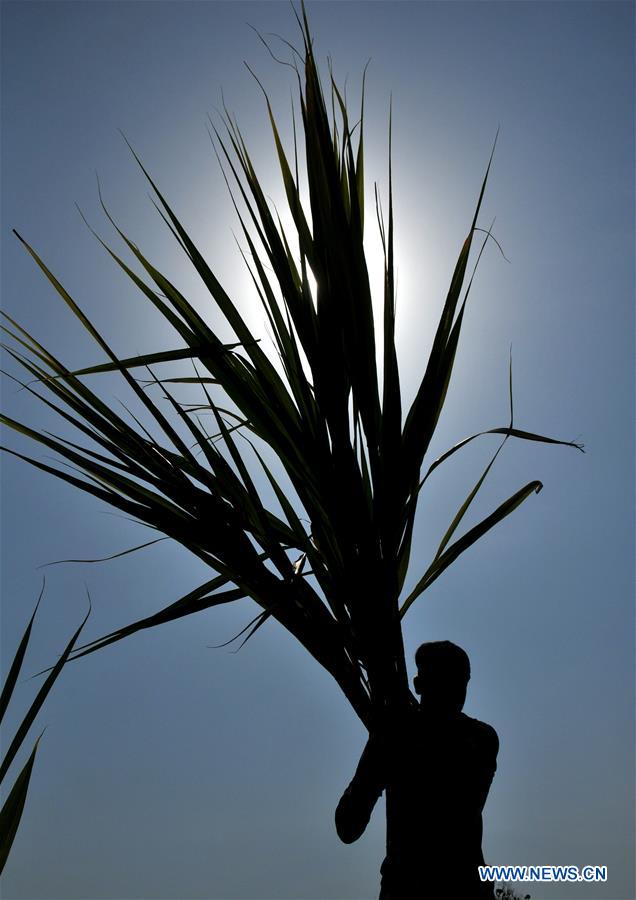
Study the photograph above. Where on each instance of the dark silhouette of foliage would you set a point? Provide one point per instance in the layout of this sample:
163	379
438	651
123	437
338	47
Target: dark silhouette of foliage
507	893
328	409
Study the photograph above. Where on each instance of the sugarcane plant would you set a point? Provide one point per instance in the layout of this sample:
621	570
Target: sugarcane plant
322	418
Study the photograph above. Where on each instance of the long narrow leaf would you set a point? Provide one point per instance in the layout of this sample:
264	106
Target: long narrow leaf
12	808
16	665
33	710
451	554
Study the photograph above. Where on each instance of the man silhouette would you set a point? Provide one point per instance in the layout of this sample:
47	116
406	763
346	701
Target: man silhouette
436	765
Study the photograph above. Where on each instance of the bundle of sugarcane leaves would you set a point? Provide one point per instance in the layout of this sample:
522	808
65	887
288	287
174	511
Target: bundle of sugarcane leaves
353	459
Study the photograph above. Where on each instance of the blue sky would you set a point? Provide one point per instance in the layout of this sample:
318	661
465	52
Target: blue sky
169	769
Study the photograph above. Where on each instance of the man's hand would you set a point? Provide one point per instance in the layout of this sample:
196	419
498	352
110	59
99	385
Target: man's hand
390	732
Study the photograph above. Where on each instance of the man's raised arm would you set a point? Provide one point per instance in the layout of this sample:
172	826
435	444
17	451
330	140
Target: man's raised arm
356	804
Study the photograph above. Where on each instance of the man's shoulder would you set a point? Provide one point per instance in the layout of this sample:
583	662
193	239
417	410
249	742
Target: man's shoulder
482	732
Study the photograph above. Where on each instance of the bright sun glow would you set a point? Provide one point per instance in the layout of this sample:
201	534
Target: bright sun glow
251	305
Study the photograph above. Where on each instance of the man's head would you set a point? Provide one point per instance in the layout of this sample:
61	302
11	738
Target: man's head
443	673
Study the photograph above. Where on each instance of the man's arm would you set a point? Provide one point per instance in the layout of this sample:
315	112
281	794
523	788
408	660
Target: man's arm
356	804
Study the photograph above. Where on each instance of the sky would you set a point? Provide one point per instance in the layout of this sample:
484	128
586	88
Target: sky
172	770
